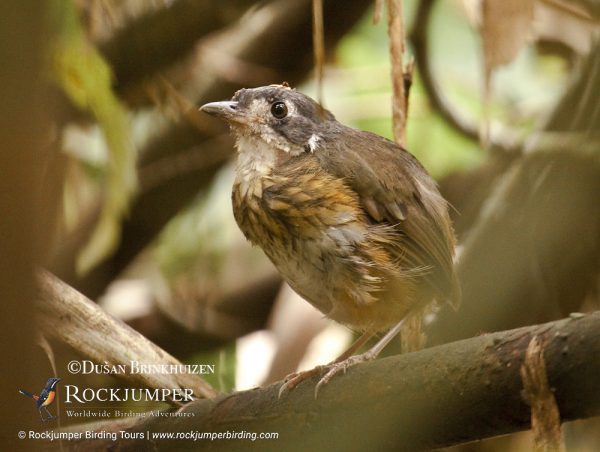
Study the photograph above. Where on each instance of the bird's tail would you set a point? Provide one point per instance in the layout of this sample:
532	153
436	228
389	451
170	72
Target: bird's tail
26	393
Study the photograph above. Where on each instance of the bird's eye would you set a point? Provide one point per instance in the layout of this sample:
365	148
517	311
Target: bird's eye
279	110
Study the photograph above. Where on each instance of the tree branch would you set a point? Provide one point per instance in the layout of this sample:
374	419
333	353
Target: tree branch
89	330
437	397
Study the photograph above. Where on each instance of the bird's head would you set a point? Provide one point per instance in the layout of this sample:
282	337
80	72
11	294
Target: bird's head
52	381
277	115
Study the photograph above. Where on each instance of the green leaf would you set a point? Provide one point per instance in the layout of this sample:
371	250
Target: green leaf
86	79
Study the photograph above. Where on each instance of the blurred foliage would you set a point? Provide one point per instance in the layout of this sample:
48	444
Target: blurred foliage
196	241
363	61
86	79
224	360
524	91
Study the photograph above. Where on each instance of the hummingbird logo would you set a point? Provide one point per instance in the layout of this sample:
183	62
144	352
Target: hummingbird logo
45	398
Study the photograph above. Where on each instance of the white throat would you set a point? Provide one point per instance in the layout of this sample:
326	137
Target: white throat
255	160
255	157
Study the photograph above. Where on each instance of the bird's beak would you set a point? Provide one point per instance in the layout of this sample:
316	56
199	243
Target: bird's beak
227	110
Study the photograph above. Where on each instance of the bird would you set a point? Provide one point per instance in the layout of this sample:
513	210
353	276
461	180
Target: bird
352	221
46	397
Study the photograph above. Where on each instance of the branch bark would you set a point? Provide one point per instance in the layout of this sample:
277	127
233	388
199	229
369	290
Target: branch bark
437	397
400	97
89	330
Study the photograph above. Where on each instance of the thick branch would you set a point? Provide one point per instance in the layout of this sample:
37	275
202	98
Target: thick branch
437	397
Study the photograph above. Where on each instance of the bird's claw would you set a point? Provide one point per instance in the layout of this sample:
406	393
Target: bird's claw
293	380
286	386
336	367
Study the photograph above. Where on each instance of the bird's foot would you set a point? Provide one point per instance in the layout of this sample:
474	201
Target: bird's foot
332	368
335	367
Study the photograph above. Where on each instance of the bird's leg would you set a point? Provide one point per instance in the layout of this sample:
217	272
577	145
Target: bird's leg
369	355
42	414
294	379
50	416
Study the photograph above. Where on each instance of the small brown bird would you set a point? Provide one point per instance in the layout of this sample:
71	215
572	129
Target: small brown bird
352	221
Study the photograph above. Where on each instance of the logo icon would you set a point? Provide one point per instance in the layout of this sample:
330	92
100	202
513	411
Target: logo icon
45	398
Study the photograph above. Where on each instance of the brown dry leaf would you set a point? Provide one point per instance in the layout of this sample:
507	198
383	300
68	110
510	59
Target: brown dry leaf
545	417
412	335
506	26
553	20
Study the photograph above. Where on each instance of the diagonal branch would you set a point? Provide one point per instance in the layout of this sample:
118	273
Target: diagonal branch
84	326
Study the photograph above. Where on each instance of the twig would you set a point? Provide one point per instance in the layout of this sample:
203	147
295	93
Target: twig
378	10
396	36
318	46
412	334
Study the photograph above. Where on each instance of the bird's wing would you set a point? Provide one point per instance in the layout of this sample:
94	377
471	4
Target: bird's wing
395	189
